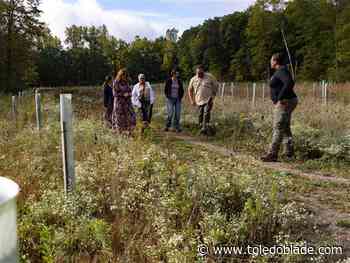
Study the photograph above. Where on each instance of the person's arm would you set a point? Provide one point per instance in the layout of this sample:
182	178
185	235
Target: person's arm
190	92
117	92
128	93
152	94
215	86
287	81
181	86
166	88
105	96
135	97
272	83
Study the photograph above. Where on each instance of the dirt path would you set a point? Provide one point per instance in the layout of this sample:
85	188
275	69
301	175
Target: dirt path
326	217
278	166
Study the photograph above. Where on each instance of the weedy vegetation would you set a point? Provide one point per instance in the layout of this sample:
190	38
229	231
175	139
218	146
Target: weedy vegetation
153	198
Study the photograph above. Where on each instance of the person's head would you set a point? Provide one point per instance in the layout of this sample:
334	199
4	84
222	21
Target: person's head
276	60
174	74
142	78
200	71
108	79
122	75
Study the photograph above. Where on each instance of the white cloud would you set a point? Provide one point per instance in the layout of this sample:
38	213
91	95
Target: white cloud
235	3
202	1
123	24
59	14
223	5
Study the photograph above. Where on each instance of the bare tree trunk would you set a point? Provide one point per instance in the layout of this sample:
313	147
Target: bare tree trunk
9	47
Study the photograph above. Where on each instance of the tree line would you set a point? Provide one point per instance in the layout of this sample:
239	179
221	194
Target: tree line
235	47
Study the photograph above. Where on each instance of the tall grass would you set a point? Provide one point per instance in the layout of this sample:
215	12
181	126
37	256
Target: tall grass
147	198
322	130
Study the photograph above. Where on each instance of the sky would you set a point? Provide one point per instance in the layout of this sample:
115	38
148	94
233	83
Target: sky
126	19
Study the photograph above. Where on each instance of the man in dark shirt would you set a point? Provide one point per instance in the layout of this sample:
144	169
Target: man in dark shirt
285	102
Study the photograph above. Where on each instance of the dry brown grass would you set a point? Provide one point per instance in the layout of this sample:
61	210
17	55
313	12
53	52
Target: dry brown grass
30	157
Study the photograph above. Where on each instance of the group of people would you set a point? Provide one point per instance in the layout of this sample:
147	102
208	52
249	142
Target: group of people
121	100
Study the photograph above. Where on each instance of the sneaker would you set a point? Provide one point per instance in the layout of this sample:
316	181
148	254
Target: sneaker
269	158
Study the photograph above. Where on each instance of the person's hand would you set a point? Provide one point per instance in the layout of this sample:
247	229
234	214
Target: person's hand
281	104
126	94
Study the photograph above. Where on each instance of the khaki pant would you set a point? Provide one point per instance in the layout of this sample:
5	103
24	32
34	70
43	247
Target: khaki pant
281	127
204	114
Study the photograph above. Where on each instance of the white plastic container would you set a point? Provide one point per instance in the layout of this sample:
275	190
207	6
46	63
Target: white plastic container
8	217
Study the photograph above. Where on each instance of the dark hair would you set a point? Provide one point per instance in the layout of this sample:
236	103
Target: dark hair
173	71
107	80
278	57
200	66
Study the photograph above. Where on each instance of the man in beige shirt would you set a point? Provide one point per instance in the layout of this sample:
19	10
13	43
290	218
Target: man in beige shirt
202	91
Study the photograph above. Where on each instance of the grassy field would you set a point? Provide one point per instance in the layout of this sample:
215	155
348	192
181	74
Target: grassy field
155	198
322	132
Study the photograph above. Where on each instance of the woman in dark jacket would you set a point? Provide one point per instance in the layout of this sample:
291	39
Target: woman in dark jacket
108	100
174	93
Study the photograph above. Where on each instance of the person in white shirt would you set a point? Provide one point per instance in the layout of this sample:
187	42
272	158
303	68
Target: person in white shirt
143	98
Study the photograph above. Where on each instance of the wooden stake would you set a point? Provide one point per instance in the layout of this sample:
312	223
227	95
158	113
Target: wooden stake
325	92
14	107
223	91
38	110
263	92
248	91
254	92
232	90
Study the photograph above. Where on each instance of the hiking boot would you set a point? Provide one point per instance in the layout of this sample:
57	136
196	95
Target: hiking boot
270	157
289	148
166	129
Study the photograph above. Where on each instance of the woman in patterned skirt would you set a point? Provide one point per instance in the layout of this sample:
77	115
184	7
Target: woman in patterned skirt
123	116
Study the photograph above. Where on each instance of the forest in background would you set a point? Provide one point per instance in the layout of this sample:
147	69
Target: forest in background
235	47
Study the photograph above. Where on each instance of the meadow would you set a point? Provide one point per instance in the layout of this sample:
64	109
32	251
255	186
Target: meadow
156	198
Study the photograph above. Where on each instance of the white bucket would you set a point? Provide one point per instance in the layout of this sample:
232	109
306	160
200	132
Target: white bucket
8	225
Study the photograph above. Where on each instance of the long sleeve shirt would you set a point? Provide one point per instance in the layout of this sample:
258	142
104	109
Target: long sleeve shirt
282	85
108	96
136	94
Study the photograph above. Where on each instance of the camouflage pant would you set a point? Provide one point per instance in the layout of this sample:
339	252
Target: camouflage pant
281	127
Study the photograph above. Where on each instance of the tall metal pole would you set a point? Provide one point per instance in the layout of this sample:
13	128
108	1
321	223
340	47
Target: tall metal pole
289	56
